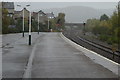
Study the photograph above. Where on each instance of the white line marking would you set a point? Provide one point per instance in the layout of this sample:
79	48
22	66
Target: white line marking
28	69
27	73
109	64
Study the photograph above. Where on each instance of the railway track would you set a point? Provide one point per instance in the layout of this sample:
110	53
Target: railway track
100	49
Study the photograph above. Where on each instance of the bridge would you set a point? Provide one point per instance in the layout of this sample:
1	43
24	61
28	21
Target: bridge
73	24
52	55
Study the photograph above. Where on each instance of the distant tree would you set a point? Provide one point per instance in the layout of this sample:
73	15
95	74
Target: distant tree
53	23
44	27
91	23
19	25
34	26
104	17
107	29
5	21
61	20
119	25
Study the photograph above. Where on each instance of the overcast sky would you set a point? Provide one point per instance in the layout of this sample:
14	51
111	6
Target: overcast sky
44	5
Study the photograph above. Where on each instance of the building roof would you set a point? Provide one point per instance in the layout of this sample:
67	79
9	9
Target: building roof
17	12
25	9
42	12
50	15
8	5
34	13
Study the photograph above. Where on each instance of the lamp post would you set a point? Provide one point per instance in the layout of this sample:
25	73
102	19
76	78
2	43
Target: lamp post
23	22
38	22
48	24
23	19
29	28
